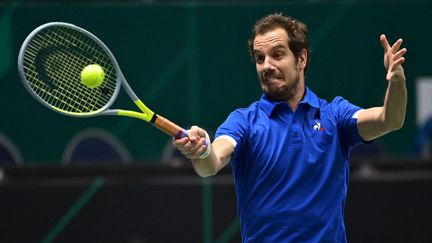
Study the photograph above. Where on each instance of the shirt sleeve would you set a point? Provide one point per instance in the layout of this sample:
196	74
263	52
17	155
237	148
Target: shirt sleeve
346	116
233	128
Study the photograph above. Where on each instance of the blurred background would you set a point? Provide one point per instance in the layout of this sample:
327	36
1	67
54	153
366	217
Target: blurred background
114	179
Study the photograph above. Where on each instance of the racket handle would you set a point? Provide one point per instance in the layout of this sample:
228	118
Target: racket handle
169	127
177	132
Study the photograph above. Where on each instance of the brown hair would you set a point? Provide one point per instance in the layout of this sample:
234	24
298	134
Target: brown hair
297	33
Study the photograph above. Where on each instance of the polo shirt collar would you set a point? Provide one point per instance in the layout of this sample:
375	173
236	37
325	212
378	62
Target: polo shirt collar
268	105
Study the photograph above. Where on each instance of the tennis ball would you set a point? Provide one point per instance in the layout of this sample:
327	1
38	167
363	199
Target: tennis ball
92	76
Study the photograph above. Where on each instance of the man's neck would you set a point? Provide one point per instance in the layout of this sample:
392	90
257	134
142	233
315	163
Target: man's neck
294	101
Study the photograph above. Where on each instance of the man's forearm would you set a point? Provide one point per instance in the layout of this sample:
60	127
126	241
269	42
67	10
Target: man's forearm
395	103
206	167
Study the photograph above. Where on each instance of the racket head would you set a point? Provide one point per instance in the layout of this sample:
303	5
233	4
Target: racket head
50	62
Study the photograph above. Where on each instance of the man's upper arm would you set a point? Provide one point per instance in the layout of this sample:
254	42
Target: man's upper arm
370	123
223	147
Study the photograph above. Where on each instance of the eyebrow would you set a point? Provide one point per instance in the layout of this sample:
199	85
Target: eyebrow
279	46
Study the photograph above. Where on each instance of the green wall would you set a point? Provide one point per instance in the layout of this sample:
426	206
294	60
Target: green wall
190	64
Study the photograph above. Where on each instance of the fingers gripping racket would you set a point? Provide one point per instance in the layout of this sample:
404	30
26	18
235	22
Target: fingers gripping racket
50	62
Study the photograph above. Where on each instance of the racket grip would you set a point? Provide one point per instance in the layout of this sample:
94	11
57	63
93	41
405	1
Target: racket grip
169	127
177	132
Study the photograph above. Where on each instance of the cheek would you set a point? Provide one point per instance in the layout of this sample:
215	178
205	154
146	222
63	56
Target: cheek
291	68
258	72
258	68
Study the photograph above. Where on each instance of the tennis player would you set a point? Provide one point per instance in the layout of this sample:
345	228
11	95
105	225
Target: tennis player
289	150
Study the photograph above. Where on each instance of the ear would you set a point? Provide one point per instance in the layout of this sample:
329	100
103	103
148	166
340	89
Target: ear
302	59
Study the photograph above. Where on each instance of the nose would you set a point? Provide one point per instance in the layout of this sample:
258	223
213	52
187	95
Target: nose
267	67
267	64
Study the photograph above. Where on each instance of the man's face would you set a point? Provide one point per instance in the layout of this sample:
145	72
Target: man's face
278	70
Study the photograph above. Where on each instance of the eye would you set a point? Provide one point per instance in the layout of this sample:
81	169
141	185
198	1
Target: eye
259	58
278	55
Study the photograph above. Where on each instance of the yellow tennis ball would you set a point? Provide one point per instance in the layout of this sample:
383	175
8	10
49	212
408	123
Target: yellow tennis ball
92	76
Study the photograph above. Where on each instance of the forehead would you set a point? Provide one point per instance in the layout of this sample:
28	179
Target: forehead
273	38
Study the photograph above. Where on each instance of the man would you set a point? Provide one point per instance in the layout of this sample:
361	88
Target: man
289	151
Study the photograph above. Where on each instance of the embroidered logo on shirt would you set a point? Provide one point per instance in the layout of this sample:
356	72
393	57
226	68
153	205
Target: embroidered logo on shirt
318	127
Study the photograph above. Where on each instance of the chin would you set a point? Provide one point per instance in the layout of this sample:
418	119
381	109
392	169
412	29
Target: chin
277	96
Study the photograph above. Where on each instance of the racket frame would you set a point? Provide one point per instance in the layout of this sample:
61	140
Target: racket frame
147	114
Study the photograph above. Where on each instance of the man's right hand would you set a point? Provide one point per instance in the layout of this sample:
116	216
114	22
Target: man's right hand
194	146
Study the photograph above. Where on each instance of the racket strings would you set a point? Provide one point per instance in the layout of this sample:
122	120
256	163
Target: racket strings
41	52
53	61
73	55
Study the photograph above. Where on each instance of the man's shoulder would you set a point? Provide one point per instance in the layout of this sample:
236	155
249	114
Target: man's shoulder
339	102
333	103
253	107
246	114
313	98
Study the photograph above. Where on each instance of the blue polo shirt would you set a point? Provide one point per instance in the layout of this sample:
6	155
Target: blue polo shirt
291	168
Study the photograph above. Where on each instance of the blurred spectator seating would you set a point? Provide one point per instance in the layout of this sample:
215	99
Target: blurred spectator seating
422	147
173	157
9	153
95	146
367	151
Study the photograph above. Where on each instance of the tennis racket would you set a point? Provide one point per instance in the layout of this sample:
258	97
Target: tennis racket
50	62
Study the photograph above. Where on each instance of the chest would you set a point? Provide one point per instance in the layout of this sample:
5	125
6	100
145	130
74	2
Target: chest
306	139
293	129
